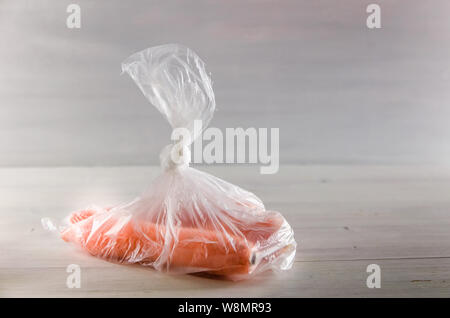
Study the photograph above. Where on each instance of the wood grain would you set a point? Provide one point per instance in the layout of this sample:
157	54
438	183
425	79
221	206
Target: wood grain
344	217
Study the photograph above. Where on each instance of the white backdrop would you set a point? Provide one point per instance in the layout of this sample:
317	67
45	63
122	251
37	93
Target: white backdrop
338	91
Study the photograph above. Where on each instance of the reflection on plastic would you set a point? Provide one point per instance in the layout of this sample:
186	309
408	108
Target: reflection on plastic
187	221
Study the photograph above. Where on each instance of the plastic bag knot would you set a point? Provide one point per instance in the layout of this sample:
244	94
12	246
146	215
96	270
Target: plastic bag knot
175	156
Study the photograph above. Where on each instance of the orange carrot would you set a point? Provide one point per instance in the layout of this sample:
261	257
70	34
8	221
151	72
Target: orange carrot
122	239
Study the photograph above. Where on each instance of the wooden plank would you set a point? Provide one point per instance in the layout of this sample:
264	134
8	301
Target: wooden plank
399	278
344	217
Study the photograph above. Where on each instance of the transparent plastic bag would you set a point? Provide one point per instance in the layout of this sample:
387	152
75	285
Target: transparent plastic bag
188	221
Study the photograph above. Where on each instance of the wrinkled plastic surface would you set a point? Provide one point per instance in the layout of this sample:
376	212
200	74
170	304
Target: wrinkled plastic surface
188	221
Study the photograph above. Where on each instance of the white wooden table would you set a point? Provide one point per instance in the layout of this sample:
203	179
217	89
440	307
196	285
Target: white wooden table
344	218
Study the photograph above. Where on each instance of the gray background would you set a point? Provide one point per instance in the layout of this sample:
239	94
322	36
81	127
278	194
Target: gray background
339	92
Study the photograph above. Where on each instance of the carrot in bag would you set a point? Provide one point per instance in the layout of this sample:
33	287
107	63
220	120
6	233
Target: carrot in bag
146	242
187	221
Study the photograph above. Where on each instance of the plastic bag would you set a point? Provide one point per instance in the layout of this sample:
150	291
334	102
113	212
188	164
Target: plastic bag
187	221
